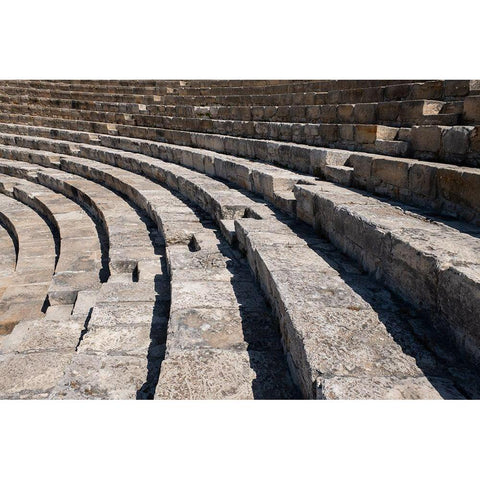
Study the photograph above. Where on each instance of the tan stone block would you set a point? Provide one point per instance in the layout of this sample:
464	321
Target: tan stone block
392	172
345	113
365	133
471	108
426	138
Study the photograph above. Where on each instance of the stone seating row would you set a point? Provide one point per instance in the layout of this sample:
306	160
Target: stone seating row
67	163
175	88
451	144
25	294
438	188
382	92
97	339
393	113
455	144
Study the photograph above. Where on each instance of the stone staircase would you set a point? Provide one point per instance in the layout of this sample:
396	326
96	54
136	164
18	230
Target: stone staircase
239	239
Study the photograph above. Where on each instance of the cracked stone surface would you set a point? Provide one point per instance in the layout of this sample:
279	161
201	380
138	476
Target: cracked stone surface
307	239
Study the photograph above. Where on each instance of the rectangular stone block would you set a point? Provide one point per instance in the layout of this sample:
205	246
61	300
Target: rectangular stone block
365	113
345	113
390	172
471	108
455	140
426	138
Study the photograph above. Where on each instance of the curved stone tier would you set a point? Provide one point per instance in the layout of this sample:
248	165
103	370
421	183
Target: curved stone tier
239	239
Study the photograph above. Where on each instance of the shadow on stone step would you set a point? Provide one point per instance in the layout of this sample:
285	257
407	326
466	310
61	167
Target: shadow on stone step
159	325
435	356
260	332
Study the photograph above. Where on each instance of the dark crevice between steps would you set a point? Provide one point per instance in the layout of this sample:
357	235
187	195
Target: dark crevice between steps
46	304
85	328
261	332
10	228
159	325
135	274
193	245
100	227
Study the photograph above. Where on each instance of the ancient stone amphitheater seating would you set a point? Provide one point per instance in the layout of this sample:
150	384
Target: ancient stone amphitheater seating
239	239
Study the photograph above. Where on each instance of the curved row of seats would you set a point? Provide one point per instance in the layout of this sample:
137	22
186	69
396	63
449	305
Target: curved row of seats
28	355
392	381
115	347
276	185
207	278
394	113
426	137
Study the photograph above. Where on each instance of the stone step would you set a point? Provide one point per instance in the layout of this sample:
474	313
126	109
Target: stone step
449	144
128	240
334	329
379	93
174	87
351	136
408	90
8	256
80	257
73	95
25	294
70	163
271	182
393	113
432	264
339	174
278	377
440	188
38	101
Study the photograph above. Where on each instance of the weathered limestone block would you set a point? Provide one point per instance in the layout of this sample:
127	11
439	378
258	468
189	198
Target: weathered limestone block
431	90
115	377
362	168
136	339
42	335
345	113
365	112
221	374
422	179
386	388
392	173
32	375
471	108
365	133
455	88
66	285
427	138
391	147
459	301
459	186
456	140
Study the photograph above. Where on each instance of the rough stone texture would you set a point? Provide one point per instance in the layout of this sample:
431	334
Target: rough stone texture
156	239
